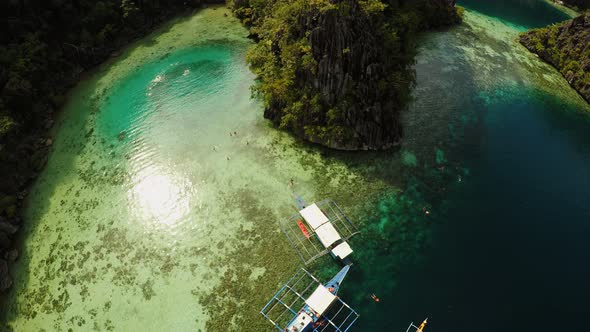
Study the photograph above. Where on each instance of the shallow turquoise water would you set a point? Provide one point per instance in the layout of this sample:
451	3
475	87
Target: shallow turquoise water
157	209
207	72
523	13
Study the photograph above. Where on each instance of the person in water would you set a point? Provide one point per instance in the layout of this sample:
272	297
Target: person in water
375	298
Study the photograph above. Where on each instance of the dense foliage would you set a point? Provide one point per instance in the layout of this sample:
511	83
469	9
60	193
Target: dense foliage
567	47
338	72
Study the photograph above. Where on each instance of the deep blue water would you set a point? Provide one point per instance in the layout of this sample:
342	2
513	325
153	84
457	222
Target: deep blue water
510	253
506	247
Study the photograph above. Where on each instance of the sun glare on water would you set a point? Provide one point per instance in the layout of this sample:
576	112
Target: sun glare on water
159	197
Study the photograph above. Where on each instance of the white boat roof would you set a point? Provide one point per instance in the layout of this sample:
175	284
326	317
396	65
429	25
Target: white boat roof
320	300
342	250
327	234
314	216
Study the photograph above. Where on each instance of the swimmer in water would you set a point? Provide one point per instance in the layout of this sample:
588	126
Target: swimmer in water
374	297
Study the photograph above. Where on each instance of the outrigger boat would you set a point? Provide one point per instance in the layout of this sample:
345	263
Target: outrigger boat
318	229
304	304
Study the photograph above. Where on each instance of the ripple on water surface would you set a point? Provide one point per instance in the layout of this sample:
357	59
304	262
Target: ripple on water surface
174	109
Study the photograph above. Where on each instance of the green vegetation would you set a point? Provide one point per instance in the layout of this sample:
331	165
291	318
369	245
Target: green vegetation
567	47
338	72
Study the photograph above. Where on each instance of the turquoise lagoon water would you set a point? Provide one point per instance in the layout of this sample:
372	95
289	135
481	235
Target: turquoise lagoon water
158	208
523	13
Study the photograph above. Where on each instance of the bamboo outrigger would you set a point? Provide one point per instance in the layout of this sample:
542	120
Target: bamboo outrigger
304	304
318	229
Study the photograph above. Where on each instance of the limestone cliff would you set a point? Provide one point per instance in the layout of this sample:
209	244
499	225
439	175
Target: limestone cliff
338	73
566	46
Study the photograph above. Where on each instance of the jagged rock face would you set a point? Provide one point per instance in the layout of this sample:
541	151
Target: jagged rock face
567	47
348	65
349	68
355	77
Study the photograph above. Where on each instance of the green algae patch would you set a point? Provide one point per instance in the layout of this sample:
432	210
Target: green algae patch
409	159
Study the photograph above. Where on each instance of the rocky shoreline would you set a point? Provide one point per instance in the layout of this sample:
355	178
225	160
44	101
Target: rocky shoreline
566	47
25	143
11	206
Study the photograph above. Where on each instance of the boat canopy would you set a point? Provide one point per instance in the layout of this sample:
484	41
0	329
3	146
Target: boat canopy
304	300
314	216
327	234
320	300
318	229
342	250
